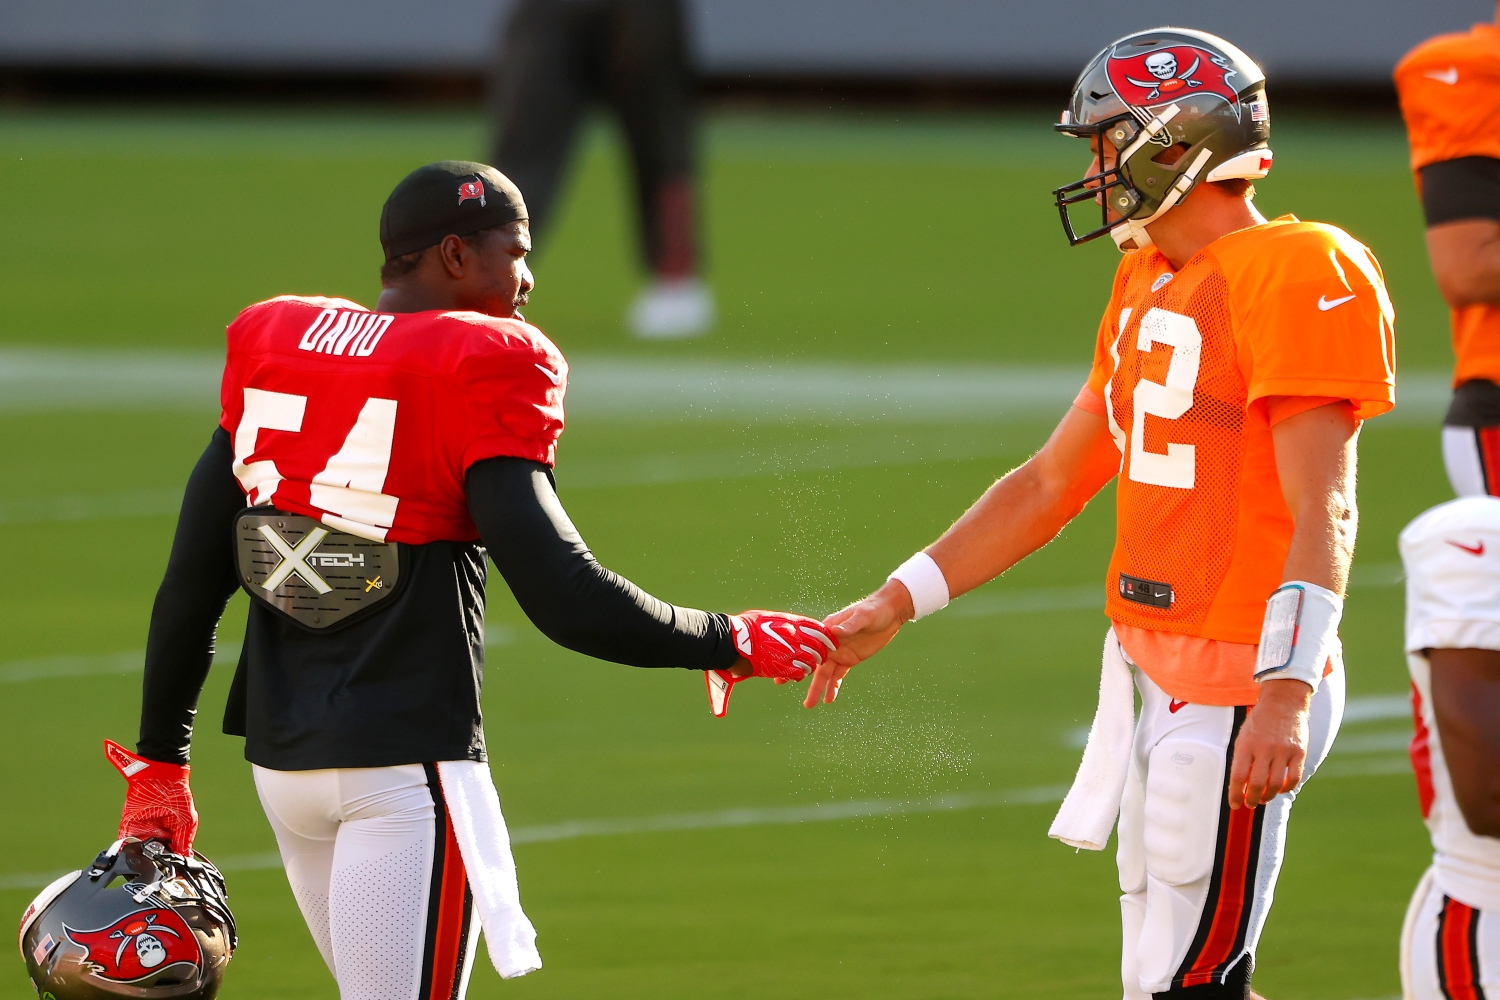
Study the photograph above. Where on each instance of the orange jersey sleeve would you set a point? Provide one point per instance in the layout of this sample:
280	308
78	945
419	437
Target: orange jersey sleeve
1449	89
1312	317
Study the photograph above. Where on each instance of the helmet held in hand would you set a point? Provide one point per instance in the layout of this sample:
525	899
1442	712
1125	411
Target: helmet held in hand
139	922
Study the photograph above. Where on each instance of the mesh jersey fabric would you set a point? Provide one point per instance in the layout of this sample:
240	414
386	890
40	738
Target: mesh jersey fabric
1187	363
1278	408
1449	89
369	421
1189	667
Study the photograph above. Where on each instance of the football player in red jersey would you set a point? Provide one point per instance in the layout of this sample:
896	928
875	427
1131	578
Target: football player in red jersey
1232	369
365	462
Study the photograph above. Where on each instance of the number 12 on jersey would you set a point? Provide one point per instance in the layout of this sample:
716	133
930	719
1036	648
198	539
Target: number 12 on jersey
1167	400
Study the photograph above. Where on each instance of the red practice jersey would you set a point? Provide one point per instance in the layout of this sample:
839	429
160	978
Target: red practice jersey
369	421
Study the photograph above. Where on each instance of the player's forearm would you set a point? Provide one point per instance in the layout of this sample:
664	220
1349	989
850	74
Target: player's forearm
198	583
1321	552
1465	258
1016	516
568	596
1316	460
1466	706
1029	505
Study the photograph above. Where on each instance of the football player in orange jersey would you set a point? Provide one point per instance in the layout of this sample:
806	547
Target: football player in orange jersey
1450	97
1232	370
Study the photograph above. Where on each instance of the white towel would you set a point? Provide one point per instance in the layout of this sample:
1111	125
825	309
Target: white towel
484	842
1089	812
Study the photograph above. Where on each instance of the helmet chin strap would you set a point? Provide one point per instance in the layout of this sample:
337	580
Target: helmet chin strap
1133	231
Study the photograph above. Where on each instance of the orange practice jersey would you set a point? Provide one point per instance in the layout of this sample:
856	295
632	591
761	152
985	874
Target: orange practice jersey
1449	88
1188	363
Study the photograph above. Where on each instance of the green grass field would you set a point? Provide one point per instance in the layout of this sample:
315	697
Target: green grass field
881	239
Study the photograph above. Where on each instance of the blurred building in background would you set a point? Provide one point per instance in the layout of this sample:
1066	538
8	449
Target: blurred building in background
1018	42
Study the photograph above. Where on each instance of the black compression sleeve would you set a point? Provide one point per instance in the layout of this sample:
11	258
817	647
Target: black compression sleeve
572	599
1465	188
199	581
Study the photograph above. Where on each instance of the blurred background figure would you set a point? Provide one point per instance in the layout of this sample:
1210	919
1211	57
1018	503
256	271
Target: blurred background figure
1450	98
558	59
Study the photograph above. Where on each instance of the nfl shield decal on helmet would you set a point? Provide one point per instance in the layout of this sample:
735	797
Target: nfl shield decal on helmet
139	945
1169	73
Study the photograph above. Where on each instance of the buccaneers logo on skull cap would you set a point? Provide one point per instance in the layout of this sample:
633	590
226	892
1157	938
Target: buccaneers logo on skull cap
138	945
470	190
1169	74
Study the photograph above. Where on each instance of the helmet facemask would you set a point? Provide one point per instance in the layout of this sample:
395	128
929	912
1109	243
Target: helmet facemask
1132	182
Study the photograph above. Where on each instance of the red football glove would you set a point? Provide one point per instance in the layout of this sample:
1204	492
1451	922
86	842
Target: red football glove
158	802
784	647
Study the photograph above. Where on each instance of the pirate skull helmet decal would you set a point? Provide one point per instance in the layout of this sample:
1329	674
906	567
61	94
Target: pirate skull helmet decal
1145	94
149	951
132	948
1162	65
1164	74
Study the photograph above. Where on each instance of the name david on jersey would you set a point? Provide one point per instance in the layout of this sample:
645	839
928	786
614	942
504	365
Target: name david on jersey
337	330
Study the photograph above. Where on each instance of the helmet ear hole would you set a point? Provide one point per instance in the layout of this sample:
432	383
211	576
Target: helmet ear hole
1240	187
1171	154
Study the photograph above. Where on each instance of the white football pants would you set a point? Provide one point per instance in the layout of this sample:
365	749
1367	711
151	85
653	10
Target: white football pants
1449	951
1471	455
1197	876
372	860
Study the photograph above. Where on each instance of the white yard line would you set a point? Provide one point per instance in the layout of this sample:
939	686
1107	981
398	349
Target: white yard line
1033	600
90	506
785	815
1380	706
774	816
38	380
55	667
585	473
1362	708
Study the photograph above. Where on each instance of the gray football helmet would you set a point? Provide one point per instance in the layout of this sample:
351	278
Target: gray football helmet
139	922
1172	106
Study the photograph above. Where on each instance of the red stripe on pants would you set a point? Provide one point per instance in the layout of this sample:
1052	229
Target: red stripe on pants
1457	967
452	902
1489	453
1421	754
1230	906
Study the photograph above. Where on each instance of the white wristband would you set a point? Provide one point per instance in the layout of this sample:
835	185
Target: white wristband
1299	632
926	583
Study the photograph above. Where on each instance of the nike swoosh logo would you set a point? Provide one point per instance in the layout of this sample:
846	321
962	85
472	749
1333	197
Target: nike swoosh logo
1448	76
1473	550
1325	303
552	376
1174	705
766	628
